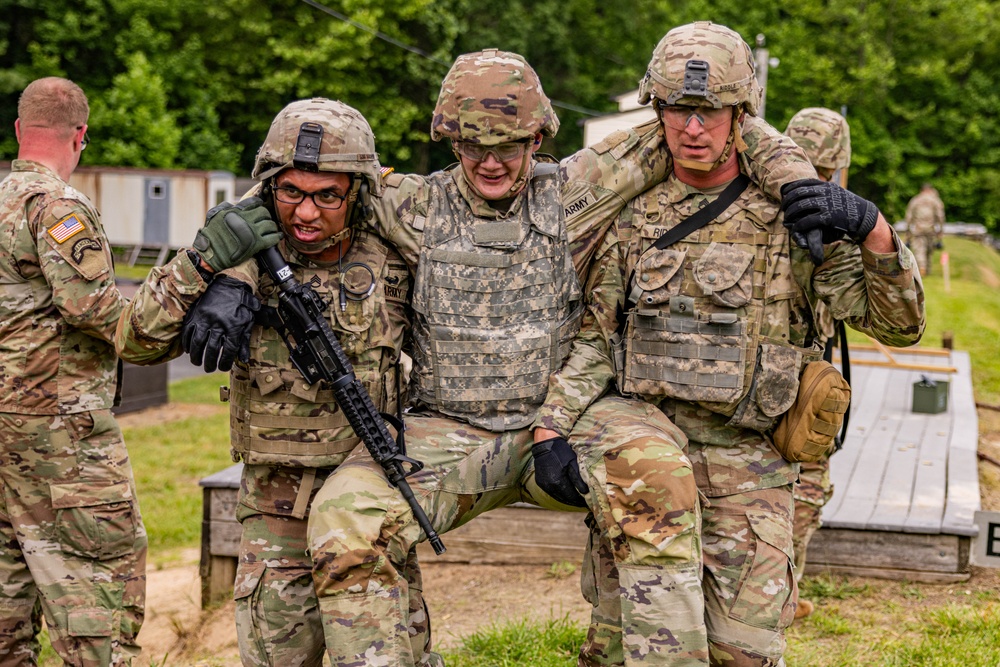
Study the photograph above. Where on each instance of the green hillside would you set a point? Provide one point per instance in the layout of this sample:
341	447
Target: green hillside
970	309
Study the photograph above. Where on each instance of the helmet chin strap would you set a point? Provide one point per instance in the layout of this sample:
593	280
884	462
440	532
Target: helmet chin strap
319	246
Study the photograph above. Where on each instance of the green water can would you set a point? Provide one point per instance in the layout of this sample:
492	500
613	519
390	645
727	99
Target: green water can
930	396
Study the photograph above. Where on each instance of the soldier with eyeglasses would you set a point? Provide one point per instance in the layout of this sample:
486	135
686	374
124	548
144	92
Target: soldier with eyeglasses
317	171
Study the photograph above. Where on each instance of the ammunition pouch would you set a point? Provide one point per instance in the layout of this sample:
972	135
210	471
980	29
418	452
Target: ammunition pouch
807	431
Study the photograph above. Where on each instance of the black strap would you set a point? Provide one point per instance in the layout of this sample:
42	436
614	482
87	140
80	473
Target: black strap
696	221
705	215
845	365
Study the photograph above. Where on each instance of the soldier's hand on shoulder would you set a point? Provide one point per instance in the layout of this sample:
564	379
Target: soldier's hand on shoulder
216	331
234	233
818	212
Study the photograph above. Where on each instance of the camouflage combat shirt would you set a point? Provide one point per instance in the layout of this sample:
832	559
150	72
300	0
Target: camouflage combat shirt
276	417
728	313
925	214
58	301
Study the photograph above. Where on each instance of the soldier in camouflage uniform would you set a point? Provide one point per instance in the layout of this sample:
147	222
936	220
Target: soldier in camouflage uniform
74	546
925	225
825	138
508	373
718	323
290	434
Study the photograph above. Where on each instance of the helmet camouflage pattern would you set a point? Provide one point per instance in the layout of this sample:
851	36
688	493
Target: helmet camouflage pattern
491	97
702	63
319	135
823	135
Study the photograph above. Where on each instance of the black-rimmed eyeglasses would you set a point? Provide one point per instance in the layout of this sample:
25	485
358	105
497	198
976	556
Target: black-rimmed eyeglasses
322	198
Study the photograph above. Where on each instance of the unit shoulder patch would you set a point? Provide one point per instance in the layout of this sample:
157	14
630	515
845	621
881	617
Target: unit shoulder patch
82	246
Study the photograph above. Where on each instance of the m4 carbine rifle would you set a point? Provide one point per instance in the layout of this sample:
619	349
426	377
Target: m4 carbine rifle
316	352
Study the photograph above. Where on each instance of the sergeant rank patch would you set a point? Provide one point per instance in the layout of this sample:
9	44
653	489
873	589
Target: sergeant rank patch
66	228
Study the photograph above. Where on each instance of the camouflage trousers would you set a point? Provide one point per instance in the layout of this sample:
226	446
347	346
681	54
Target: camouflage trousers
811	493
73	544
277	616
922	247
749	589
642	495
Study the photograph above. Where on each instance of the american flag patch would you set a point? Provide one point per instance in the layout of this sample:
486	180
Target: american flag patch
66	228
385	171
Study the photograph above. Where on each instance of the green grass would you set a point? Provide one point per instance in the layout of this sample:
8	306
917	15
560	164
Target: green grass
952	636
202	388
552	643
169	459
137	272
969	310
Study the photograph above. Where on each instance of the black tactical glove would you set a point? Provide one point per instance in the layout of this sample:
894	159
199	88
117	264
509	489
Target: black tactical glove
818	212
217	328
234	234
557	472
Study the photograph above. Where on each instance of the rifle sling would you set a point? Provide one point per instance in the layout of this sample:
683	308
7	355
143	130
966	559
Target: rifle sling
845	365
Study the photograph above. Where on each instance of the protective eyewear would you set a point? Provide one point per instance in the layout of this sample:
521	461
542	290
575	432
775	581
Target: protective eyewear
501	152
678	116
331	201
86	138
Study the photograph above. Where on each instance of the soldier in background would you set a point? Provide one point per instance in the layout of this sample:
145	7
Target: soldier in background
925	225
289	434
719	322
825	137
74	546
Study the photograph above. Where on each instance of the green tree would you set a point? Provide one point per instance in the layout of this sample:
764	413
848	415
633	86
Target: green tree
916	78
131	124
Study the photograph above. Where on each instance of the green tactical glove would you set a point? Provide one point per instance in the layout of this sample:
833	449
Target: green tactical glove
234	234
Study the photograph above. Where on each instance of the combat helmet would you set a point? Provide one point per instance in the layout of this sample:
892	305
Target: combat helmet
492	97
322	135
702	63
319	135
824	136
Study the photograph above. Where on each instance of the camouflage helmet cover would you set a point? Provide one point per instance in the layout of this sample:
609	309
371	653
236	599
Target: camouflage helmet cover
347	143
491	97
824	136
686	51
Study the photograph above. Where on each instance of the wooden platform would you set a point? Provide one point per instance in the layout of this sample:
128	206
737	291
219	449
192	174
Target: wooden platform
906	489
220	535
906	485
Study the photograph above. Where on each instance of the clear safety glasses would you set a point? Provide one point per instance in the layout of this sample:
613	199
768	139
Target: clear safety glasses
501	152
678	116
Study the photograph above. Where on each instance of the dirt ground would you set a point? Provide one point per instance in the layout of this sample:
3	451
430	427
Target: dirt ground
463	598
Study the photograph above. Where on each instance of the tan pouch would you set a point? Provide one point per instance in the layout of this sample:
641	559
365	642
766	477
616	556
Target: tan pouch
806	432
